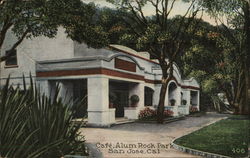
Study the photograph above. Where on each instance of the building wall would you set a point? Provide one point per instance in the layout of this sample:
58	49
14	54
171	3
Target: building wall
32	50
66	53
82	50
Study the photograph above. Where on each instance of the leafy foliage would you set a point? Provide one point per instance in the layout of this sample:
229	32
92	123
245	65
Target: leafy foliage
33	18
219	59
162	36
134	99
32	125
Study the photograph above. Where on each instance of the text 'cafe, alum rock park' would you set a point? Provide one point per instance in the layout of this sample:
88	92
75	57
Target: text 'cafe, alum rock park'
97	73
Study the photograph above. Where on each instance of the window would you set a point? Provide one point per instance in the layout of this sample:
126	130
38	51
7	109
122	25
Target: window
148	96
12	60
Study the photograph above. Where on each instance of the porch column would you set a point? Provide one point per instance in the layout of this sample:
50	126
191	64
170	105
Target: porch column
166	102
188	98
156	95
98	98
138	89
44	87
66	92
178	96
198	100
135	89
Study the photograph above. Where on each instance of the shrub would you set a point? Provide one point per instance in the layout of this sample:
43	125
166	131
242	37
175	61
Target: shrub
168	113
134	100
184	102
172	102
193	109
35	126
147	113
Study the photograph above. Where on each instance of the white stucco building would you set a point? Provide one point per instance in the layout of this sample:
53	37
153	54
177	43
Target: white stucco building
95	73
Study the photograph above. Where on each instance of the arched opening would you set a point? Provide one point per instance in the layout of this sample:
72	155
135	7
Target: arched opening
194	98
172	93
148	96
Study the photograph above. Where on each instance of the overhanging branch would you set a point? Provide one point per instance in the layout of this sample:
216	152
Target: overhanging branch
6	56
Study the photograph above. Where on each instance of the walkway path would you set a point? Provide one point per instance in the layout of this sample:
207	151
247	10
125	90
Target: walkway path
143	140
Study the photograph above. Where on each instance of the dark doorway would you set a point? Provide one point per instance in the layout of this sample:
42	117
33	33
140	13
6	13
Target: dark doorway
120	103
80	98
194	98
148	96
120	90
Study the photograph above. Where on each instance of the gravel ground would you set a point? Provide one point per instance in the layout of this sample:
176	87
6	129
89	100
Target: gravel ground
143	139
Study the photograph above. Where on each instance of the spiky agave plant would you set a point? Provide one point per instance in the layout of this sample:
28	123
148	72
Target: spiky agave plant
13	121
33	125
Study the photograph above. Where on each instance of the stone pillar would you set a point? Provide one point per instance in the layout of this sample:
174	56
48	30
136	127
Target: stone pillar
156	95
44	87
98	100
66	92
47	87
178	96
198	100
188	98
166	103
135	89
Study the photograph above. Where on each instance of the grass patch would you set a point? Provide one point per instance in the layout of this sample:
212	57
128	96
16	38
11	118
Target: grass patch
229	137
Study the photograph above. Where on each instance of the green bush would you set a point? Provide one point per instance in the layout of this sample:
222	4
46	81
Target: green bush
134	99
172	102
35	126
184	102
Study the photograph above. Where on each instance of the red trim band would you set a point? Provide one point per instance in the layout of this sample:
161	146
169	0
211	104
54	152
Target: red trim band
94	71
104	71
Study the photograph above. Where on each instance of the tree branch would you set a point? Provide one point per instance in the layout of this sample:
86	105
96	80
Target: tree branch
171	8
157	11
183	19
6	26
6	56
141	12
136	15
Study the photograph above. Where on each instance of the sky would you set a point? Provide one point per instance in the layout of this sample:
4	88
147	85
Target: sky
179	8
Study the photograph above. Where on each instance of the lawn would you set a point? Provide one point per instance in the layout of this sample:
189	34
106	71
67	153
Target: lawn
229	137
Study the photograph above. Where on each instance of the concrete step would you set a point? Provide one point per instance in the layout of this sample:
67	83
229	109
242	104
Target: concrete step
123	120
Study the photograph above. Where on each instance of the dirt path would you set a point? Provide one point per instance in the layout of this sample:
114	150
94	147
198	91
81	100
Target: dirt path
143	140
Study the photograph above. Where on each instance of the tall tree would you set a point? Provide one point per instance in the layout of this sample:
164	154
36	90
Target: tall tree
214	66
32	18
233	16
162	36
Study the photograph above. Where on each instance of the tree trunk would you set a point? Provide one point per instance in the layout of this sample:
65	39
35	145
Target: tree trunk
247	59
160	110
243	101
164	86
247	104
248	93
241	95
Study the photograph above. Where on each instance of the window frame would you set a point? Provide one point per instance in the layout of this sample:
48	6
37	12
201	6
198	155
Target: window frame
12	57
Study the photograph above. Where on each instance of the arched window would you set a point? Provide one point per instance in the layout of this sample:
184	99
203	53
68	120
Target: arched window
172	93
